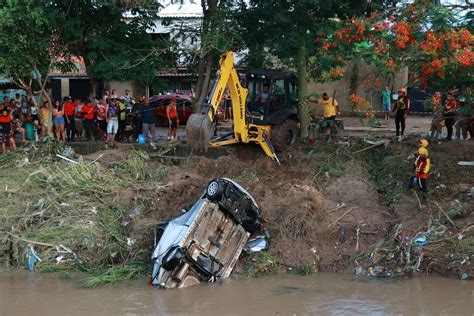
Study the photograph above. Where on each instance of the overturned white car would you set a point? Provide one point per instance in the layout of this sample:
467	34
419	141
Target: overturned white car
203	244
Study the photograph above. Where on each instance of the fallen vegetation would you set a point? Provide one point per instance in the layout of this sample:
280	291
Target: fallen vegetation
331	207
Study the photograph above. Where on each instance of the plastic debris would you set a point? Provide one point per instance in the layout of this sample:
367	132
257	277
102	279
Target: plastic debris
464	276
257	244
466	163
360	271
379	271
130	242
32	257
421	240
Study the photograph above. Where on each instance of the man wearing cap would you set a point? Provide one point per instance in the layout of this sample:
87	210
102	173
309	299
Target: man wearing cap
401	109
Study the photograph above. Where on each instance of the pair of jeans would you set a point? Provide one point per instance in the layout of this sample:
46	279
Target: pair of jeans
149	128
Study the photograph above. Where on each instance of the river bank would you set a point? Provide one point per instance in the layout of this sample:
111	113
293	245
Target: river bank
336	207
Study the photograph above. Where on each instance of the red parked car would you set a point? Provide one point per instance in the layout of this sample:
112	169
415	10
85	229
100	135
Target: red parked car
183	105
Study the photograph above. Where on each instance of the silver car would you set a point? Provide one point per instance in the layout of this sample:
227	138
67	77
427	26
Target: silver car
204	244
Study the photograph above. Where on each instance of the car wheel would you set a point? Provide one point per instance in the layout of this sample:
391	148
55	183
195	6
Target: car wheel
214	190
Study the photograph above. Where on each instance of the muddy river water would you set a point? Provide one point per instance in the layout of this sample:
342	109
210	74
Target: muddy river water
23	293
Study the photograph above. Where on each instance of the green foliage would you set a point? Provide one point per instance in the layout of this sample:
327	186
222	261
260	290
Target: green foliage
28	42
261	264
386	167
116	274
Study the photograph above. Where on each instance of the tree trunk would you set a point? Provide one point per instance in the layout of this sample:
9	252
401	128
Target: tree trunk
94	86
93	80
198	88
205	84
209	8
303	109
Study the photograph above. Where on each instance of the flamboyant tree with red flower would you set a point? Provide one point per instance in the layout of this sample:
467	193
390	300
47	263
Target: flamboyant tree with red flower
426	37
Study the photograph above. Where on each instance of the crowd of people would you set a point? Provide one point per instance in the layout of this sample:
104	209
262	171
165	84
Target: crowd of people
450	111
110	118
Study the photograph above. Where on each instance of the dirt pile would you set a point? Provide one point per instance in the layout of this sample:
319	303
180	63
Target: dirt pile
308	227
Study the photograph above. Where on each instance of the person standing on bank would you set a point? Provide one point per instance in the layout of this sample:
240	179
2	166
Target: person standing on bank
449	114
147	112
401	109
112	117
173	120
386	102
88	112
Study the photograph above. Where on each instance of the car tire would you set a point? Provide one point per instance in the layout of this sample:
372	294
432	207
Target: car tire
284	135
214	190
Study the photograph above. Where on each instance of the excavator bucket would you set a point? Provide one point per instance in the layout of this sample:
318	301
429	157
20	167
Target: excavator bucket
199	130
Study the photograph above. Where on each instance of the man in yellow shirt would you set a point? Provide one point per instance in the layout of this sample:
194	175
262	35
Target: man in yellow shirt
331	110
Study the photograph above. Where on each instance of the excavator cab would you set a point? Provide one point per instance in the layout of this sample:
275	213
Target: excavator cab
272	98
263	113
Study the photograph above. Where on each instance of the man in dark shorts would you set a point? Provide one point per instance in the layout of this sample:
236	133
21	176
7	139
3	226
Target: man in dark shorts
6	130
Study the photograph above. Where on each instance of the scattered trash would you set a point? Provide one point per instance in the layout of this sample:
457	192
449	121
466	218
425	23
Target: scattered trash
471	192
59	259
130	242
379	271
256	244
93	210
360	270
67	151
67	159
421	240
464	276
32	257
466	163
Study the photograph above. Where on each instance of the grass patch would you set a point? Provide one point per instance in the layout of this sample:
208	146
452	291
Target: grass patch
261	264
117	274
389	173
68	210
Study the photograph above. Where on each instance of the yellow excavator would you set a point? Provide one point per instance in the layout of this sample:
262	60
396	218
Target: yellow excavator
265	113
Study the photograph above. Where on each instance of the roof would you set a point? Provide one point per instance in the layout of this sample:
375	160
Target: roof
188	9
271	73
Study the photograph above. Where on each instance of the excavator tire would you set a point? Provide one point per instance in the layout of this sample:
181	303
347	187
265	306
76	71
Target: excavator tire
284	135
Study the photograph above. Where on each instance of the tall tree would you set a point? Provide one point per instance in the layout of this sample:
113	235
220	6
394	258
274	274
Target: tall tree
29	46
217	33
112	38
292	31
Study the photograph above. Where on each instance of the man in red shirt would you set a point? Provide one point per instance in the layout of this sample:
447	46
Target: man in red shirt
88	112
6	130
69	111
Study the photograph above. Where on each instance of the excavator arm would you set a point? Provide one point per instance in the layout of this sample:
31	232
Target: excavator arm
200	126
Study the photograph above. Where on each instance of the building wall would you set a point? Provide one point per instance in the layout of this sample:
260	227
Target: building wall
136	88
367	85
